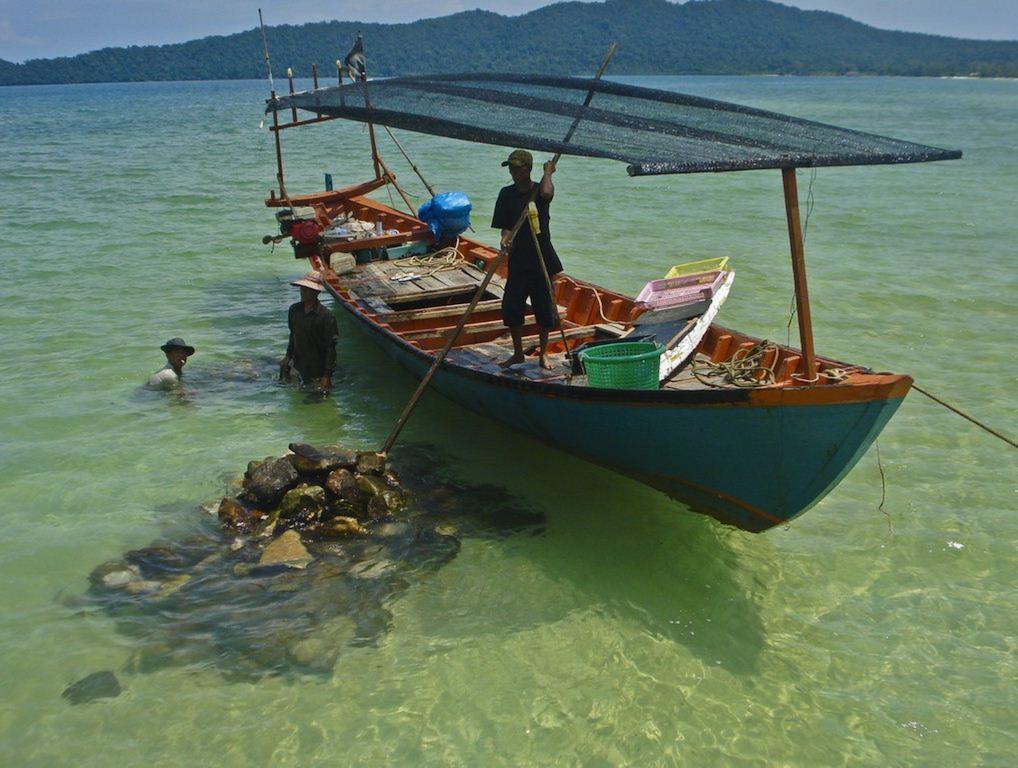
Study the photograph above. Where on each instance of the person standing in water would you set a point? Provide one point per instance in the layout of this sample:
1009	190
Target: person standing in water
313	332
176	352
526	280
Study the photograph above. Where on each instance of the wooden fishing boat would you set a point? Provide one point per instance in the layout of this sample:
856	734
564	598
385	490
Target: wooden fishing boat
753	450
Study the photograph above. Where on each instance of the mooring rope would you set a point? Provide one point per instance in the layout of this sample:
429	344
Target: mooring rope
964	415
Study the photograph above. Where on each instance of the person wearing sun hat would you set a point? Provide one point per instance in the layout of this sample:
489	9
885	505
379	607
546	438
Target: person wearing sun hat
313	332
177	352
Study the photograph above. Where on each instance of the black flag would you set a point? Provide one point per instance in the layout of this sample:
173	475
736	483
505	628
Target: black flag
354	60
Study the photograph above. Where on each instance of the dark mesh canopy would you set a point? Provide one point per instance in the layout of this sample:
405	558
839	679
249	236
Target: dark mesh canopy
652	131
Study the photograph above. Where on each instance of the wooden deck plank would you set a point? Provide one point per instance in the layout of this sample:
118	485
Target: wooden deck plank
452	311
403	298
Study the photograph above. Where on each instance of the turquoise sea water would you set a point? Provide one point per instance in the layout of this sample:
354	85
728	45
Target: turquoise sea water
625	630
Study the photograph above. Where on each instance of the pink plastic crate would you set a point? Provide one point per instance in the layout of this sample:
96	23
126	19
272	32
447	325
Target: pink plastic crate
669	292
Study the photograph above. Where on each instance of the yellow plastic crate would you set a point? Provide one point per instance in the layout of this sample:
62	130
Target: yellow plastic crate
705	265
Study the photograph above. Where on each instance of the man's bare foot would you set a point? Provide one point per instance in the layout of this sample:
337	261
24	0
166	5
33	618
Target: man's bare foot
516	359
544	362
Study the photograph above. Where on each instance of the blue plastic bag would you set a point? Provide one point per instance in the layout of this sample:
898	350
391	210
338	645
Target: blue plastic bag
447	215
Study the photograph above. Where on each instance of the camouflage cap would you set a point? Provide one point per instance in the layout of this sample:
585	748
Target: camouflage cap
519	158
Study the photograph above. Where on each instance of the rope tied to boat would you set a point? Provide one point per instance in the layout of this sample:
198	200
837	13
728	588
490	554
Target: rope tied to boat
966	416
597	295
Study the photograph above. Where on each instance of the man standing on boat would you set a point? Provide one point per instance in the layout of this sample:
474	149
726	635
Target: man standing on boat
526	279
313	333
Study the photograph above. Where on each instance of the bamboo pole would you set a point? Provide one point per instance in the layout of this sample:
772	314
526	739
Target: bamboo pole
799	272
424	181
535	230
391	178
493	265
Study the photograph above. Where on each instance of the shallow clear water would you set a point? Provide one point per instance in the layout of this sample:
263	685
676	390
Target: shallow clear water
627	630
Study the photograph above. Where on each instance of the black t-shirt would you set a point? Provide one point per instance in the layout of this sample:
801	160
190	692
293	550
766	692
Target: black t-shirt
523	256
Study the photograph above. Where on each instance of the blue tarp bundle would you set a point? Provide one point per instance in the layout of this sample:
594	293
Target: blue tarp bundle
447	215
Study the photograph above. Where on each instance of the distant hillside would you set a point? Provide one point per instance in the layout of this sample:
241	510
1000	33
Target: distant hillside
655	36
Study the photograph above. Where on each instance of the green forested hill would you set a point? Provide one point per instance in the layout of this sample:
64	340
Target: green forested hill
655	37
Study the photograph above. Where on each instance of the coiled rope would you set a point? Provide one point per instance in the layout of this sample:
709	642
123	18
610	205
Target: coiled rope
744	369
428	264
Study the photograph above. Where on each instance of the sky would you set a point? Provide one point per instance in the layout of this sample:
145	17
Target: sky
47	28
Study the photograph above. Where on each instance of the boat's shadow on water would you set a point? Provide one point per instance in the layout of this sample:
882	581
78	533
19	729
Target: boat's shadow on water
652	564
616	557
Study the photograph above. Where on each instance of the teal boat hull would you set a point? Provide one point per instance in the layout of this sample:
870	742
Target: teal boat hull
749	465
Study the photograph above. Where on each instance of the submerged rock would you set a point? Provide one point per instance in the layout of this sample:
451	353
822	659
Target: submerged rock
98	685
286	550
166	558
121	579
266	483
173	585
147	587
338	526
320	650
113	573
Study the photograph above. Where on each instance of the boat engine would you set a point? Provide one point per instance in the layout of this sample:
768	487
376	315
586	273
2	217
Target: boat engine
305	232
300	225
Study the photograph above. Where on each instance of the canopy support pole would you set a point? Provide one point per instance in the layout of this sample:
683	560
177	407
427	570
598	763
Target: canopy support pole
799	272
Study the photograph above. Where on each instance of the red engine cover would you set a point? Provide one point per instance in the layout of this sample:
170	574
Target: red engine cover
304	232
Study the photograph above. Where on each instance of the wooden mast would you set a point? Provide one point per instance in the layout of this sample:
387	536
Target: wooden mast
799	272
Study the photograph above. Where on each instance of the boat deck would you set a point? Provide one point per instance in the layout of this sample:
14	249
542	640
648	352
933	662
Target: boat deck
422	303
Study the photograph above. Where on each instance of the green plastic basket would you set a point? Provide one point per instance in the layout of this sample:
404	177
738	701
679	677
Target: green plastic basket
623	365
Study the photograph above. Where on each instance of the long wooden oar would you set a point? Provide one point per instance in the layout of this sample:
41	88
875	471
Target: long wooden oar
493	265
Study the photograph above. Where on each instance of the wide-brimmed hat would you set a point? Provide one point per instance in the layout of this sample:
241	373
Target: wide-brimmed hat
177	343
519	158
311	280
